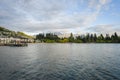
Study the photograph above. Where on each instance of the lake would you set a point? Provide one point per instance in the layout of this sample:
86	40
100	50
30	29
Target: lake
54	61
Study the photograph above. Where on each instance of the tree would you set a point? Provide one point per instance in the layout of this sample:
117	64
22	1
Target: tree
100	39
91	38
115	38
40	37
71	38
95	37
88	38
107	38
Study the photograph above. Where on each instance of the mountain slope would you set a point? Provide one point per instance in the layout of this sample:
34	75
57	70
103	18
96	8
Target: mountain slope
4	29
10	33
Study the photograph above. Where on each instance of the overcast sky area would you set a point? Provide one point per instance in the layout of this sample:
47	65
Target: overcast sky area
77	16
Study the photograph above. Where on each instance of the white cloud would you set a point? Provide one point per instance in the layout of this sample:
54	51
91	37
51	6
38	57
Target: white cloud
103	2
105	28
49	15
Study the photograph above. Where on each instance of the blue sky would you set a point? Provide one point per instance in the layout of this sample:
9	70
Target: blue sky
77	16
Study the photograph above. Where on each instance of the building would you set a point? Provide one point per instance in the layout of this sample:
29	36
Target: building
6	40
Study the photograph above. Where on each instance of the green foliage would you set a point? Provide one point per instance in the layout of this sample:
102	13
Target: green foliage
64	40
71	38
88	38
50	41
48	38
78	41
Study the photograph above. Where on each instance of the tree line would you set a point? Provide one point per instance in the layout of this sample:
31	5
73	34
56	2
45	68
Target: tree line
88	38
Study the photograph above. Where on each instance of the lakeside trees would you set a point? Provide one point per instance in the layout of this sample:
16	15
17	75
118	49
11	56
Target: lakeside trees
88	38
49	38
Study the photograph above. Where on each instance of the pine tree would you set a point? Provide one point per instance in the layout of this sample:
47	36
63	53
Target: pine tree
71	38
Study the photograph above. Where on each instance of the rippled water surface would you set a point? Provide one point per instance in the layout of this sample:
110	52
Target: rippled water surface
60	62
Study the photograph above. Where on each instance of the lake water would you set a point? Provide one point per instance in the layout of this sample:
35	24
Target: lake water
60	62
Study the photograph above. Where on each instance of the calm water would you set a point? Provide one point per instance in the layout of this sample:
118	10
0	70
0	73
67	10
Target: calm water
60	62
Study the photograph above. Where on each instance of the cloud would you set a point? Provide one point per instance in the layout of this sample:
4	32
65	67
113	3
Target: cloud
105	28
98	4
103	2
49	15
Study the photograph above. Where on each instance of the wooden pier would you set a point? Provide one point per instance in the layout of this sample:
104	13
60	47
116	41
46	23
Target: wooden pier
15	45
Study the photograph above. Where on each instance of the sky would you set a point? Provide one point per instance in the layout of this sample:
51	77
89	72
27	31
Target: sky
65	16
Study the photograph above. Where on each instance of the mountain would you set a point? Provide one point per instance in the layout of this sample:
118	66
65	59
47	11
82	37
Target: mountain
4	29
21	34
9	33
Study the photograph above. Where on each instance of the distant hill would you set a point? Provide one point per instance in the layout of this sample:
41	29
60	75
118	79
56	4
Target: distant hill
4	29
9	33
21	34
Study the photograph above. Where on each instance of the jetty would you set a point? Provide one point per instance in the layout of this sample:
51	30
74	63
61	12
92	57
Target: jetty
15	45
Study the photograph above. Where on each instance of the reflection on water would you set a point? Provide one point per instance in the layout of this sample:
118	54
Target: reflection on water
60	62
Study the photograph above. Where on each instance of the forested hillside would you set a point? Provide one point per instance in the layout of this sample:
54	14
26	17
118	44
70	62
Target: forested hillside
9	33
